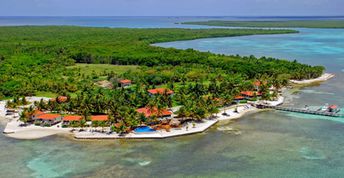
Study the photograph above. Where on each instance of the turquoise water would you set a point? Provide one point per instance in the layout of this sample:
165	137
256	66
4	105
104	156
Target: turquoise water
312	46
271	144
132	22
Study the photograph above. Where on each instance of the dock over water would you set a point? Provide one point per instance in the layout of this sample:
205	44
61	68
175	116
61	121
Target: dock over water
302	110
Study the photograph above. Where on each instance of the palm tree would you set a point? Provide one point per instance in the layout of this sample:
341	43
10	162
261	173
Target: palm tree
24	116
83	123
152	103
132	119
264	90
23	101
212	109
182	112
227	99
102	124
41	105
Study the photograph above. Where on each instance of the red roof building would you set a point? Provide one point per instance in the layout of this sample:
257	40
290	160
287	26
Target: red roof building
100	118
125	81
160	91
239	97
257	83
117	125
148	112
60	99
48	116
250	93
37	113
72	118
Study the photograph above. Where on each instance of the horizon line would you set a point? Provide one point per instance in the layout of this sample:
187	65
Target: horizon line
264	16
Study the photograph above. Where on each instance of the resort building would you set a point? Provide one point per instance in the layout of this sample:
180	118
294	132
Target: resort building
68	120
125	82
47	119
239	98
257	85
36	113
250	94
99	119
160	91
154	112
60	99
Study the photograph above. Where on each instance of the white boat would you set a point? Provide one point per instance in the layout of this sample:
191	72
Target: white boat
324	108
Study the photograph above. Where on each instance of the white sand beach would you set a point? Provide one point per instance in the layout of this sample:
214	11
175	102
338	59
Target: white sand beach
35	134
229	113
2	109
159	134
324	77
15	130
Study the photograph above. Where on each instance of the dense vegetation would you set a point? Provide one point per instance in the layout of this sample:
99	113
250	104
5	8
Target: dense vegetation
198	99
101	69
274	24
36	59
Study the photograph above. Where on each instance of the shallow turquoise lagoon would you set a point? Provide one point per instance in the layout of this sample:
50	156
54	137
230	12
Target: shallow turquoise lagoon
312	46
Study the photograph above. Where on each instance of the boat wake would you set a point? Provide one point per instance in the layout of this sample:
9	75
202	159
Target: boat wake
229	129
311	154
140	162
316	92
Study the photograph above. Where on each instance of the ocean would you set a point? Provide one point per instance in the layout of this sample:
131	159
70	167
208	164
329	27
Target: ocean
271	144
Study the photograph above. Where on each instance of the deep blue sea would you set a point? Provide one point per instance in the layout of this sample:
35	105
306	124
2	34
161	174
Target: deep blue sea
272	144
134	22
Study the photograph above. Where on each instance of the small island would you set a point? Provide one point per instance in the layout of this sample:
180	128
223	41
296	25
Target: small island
112	83
273	24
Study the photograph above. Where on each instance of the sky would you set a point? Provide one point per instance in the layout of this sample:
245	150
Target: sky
171	7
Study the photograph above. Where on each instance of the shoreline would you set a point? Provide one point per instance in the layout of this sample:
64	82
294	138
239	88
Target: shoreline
322	78
13	130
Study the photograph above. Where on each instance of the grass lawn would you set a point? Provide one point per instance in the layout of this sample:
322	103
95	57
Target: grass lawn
46	94
52	95
88	69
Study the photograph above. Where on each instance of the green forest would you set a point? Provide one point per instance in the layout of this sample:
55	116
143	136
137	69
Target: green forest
41	59
274	24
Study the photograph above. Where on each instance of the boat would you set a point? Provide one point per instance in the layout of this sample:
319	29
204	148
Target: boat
329	108
324	108
333	109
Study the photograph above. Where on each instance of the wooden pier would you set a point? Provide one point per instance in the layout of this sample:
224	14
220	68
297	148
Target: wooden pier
303	111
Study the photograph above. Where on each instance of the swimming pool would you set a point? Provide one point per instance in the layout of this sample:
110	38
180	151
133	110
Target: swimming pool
144	129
